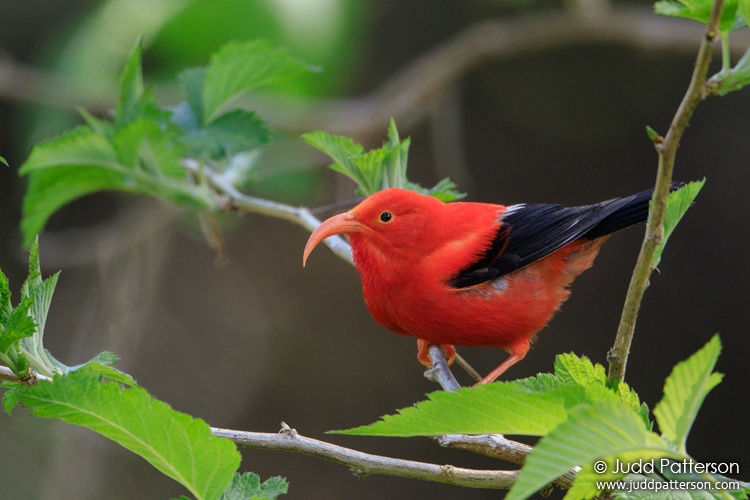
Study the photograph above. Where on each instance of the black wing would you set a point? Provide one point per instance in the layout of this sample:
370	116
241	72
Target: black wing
530	232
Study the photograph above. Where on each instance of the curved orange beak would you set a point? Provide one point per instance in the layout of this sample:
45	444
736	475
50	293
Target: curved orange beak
338	224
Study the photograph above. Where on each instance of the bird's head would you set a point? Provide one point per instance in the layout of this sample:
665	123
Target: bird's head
386	222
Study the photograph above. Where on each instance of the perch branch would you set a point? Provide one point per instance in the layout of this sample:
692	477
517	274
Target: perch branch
365	464
439	371
666	148
491	445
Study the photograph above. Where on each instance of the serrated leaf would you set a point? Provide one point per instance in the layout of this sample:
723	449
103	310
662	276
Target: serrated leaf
80	146
191	81
631	399
678	203
445	190
10	397
82	162
248	486
684	392
697	11
101	364
5	304
570	368
100	127
131	88
342	150
734	79
540	383
144	147
19	325
230	134
377	169
42	294
498	408
591	432
700	10
177	444
239	68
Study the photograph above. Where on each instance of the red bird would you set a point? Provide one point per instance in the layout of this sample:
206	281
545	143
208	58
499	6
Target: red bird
472	273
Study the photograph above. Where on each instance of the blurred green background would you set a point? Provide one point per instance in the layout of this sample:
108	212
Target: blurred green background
495	94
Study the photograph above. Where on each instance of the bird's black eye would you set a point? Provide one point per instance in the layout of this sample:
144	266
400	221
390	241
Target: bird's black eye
386	217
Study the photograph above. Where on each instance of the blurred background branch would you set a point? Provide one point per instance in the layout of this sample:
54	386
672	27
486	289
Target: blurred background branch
407	94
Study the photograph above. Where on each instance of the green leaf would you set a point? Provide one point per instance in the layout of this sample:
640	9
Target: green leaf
344	152
604	429
248	486
5	304
239	68
177	444
19	325
730	18
82	162
379	168
42	294
743	6
131	88
4	161
684	392
10	397
728	81
653	135
191	80
100	127
231	133
501	407
569	368
445	190
101	364
79	146
700	10
143	146
696	10
678	203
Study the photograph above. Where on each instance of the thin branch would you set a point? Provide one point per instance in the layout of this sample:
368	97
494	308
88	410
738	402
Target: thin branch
236	200
666	148
364	464
497	446
32	379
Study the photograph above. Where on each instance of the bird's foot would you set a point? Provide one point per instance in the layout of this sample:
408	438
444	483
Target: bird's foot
423	354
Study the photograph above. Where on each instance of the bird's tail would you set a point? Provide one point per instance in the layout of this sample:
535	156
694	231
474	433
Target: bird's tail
626	212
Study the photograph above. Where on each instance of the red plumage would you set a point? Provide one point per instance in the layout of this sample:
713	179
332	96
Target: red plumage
472	273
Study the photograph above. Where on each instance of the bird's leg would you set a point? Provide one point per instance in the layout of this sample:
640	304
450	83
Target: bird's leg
423	354
517	353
